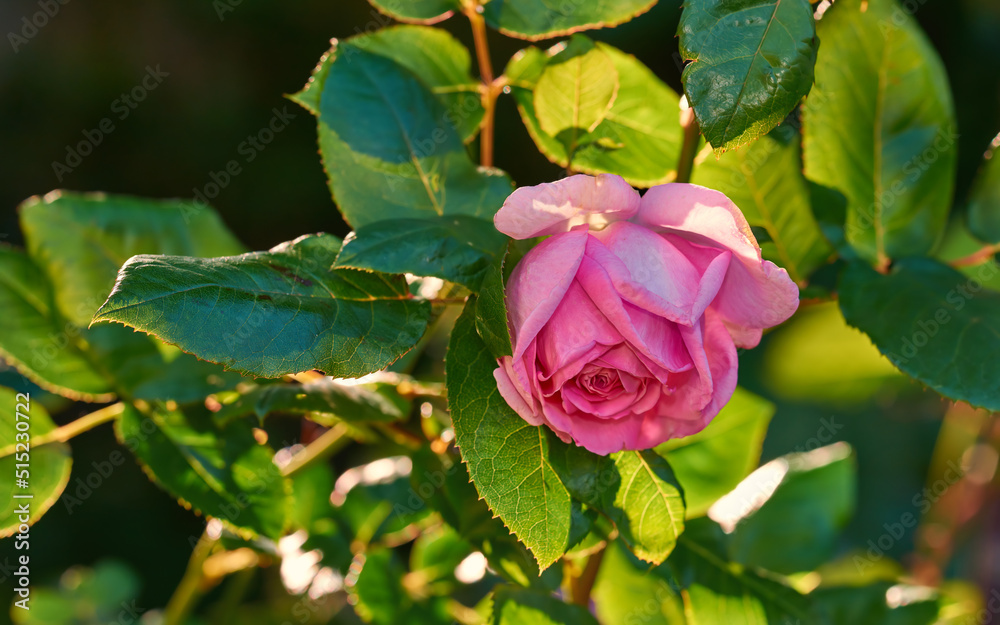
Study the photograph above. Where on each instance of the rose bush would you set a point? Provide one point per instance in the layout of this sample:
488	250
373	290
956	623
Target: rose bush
626	320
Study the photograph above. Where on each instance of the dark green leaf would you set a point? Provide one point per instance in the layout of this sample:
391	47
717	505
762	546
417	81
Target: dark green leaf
80	240
507	458
543	19
984	204
635	489
271	313
437	552
712	462
640	136
765	180
716	590
352	403
575	92
869	605
35	339
90	364
455	248
515	606
46	468
380	597
797	528
221	472
880	128
418	11
491	310
932	322
380	127
751	63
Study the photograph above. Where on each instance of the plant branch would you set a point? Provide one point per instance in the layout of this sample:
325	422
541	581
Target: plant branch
320	448
491	87
978	257
689	149
189	590
66	432
581	587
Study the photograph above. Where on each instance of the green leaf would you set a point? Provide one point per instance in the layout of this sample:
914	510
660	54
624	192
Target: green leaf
869	605
221	472
271	313
635	489
491	310
797	527
575	92
455	248
932	322
516	606
352	403
418	11
716	590
751	63
104	594
36	340
437	553
46	468
90	365
854	370
626	593
639	138
381	127
765	180
544	19
507	458
880	128
984	203
712	462
80	240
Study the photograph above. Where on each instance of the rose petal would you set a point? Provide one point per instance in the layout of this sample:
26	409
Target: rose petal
555	207
755	294
539	283
512	394
574	328
660	278
675	416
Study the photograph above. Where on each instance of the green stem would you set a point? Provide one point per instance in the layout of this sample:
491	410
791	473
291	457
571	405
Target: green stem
74	428
689	148
189	590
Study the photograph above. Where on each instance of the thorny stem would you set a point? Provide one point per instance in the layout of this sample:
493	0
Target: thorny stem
74	428
689	148
978	257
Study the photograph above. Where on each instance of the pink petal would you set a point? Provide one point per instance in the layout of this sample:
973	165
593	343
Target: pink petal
539	283
555	207
573	330
660	277
755	294
676	415
600	436
513	395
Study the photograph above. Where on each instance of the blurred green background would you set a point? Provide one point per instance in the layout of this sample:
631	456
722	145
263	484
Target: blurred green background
225	77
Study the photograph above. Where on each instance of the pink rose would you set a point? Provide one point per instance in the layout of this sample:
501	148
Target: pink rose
626	319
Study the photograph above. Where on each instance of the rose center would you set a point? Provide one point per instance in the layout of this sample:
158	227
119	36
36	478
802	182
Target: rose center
598	380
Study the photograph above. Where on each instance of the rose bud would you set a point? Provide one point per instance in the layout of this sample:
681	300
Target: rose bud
626	319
